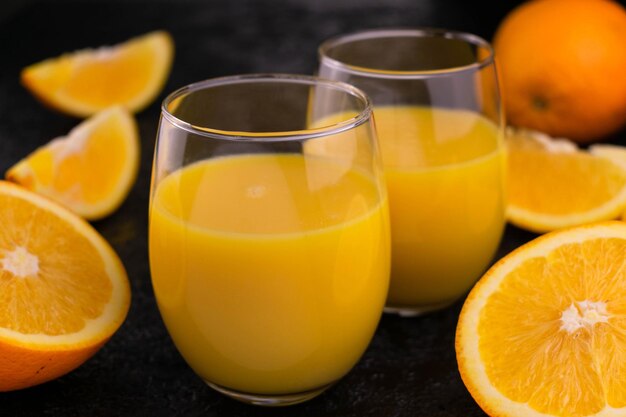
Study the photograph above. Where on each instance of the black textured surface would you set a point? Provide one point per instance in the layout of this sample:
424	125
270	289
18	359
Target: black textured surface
410	367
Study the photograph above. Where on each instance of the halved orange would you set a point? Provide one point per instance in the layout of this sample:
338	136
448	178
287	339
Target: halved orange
552	184
82	83
63	290
543	333
91	170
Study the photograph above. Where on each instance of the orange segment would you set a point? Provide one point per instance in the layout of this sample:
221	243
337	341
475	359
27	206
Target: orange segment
82	83
543	333
552	184
91	170
615	153
63	289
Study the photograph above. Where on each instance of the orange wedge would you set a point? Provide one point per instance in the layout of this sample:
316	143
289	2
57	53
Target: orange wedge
91	170
543	333
615	153
63	290
82	83
552	184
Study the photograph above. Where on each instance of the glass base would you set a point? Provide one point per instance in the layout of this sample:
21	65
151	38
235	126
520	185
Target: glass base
412	311
270	400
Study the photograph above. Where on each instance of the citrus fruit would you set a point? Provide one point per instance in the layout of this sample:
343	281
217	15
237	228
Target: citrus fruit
561	66
543	333
552	184
614	152
91	170
63	290
130	74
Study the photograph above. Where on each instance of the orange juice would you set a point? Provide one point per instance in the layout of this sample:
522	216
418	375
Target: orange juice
445	178
270	270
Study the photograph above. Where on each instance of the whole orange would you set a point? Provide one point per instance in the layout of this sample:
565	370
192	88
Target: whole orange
563	67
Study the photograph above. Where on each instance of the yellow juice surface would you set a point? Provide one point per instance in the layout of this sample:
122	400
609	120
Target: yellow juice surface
445	178
270	270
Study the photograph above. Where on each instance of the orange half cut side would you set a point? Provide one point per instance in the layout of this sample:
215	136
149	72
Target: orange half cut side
63	289
543	333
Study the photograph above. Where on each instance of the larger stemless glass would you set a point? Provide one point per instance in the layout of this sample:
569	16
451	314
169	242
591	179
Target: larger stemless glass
269	255
439	120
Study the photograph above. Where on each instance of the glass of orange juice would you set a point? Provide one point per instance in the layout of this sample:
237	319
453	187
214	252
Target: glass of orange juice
439	120
269	255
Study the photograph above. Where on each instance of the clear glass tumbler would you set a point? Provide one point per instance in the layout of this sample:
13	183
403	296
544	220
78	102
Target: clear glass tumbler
269	253
440	125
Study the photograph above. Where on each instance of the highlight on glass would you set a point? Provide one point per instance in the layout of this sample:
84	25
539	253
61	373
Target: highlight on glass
440	125
269	233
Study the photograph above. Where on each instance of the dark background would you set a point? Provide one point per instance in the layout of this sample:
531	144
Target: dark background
410	368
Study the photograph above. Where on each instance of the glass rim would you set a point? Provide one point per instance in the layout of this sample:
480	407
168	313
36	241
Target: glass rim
466	37
277	136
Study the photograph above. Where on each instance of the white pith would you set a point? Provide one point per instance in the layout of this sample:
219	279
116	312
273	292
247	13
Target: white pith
20	262
584	314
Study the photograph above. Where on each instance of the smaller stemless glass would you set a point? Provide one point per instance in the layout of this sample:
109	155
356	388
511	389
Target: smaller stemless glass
269	236
440	124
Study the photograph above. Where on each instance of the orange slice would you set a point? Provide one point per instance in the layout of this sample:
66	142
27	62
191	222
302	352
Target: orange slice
91	170
82	83
63	290
543	333
615	153
552	184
